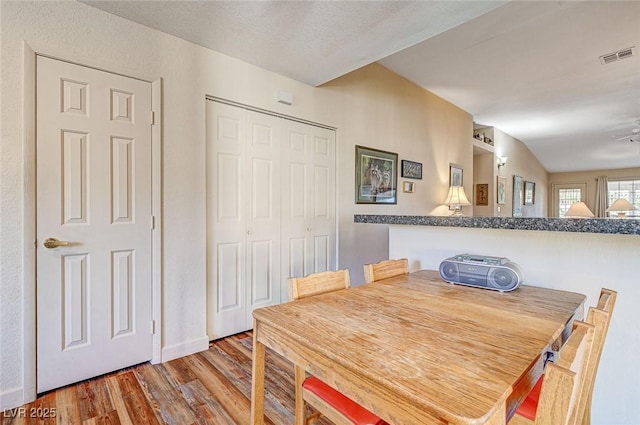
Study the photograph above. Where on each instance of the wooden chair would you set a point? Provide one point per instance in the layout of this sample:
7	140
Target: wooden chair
606	303
318	283
600	317
326	400
563	391
385	269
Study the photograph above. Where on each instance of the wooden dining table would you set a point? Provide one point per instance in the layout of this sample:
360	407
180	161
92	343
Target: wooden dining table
416	350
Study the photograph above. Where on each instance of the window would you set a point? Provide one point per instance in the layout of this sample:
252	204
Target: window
565	195
626	189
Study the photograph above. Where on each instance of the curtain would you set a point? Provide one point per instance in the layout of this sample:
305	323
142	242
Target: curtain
602	183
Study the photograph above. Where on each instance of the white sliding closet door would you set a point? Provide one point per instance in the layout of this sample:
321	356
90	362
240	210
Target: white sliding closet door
308	207
248	191
263	212
226	221
243	206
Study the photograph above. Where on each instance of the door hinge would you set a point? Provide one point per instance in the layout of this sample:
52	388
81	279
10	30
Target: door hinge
153	222
153	118
153	327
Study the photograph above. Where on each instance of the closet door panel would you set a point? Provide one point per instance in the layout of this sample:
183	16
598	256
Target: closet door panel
263	211
226	220
295	205
309	218
270	211
322	212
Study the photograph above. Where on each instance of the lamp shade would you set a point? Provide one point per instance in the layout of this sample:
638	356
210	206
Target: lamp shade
579	210
456	199
621	206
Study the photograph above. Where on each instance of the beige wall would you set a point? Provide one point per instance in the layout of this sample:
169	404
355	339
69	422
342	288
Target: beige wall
524	164
484	172
371	107
382	110
521	162
588	178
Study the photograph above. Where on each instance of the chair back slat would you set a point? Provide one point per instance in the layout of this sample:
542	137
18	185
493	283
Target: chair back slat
601	318
385	269
318	283
607	299
327	401
563	392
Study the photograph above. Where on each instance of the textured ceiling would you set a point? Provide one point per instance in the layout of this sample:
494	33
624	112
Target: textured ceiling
309	41
529	68
532	69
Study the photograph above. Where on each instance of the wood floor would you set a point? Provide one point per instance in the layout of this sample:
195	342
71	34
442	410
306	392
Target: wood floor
212	387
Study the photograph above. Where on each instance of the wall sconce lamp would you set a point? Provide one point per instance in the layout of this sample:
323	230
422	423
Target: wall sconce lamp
502	161
621	206
457	199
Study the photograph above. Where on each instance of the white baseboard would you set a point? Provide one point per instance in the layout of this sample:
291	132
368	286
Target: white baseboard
11	399
184	349
16	397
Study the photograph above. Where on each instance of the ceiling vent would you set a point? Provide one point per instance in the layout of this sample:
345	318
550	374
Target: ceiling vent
620	54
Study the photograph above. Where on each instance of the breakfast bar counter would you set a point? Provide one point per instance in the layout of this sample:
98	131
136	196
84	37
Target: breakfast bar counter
576	225
578	255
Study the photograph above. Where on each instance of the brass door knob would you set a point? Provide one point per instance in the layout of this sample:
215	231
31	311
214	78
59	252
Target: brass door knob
54	243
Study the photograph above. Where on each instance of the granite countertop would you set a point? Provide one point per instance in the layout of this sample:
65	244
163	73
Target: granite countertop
579	225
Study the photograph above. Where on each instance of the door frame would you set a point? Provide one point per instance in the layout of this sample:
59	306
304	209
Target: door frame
555	190
29	392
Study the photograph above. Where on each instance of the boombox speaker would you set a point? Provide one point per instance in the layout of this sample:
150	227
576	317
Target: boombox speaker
497	273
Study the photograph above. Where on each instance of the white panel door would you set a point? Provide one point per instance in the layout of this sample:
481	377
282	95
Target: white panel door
296	191
243	204
94	192
263	212
226	221
308	207
322	211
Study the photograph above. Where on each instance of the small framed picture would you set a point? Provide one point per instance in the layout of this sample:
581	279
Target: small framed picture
518	196
407	187
455	175
411	170
529	193
482	194
501	192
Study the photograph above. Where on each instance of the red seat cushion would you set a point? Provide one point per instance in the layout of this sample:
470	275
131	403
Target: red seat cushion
529	406
349	408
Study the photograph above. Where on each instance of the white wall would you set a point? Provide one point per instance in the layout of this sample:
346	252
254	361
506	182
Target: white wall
81	34
577	262
371	107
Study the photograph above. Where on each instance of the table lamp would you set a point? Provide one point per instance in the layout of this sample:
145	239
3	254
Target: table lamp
621	206
457	199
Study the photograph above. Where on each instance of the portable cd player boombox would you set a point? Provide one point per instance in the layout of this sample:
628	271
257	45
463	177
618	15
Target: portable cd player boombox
497	273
